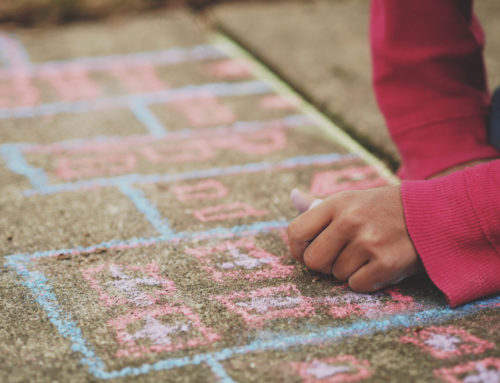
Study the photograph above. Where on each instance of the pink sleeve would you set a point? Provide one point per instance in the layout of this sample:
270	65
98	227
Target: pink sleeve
454	223
430	82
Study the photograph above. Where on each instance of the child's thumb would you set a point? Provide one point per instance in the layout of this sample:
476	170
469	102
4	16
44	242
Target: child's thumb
303	201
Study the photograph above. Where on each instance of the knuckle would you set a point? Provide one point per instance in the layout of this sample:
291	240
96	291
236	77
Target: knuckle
314	261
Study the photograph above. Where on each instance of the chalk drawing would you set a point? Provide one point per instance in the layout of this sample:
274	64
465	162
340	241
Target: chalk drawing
342	368
278	102
18	90
139	78
227	211
230	69
262	305
329	182
240	259
447	342
73	84
204	111
202	190
347	303
74	167
164	329
120	284
481	371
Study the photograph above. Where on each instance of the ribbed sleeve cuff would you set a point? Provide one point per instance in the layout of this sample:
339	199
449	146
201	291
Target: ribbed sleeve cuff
454	222
430	149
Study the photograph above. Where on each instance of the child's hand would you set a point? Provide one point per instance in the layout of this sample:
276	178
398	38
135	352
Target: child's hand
358	236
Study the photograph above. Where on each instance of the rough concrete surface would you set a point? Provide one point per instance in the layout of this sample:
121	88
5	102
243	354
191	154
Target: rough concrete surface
145	174
321	47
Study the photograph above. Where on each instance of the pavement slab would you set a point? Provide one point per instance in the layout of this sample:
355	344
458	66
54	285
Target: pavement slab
145	177
321	48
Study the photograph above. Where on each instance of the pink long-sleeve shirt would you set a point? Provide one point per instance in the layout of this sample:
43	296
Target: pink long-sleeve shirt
430	82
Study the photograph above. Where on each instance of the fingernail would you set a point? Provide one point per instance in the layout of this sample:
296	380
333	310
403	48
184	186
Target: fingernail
315	203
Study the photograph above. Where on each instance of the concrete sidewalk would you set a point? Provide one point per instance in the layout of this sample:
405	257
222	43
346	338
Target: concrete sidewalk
145	171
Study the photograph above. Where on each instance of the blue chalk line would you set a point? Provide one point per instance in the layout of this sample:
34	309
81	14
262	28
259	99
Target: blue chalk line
148	119
16	163
162	57
244	88
288	163
146	207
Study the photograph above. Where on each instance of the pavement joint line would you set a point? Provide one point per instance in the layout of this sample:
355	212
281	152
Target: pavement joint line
325	125
288	163
243	88
171	56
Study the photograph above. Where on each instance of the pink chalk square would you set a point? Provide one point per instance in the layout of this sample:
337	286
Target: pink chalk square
204	111
202	190
278	102
447	342
160	329
347	303
227	211
121	284
477	371
241	259
230	69
177	152
18	90
343	368
138	78
262	305
70	167
325	183
71	84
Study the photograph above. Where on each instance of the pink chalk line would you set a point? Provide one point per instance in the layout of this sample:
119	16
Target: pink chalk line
230	69
164	329
328	182
228	211
343	368
73	84
128	142
204	111
259	306
246	261
138	78
203	190
279	102
447	342
120	281
477	371
19	91
348	303
114	159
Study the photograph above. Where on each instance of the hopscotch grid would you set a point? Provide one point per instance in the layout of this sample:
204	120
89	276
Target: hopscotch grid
288	163
162	57
146	116
14	153
242	88
42	290
37	282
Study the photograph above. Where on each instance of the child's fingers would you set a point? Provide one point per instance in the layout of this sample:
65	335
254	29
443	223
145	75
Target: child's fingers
369	278
325	248
350	260
307	226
